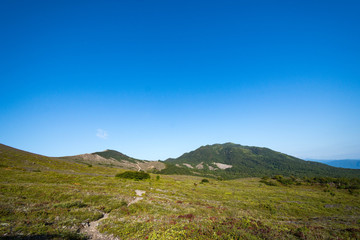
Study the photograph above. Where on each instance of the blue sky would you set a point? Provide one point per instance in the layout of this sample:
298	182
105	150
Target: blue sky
155	79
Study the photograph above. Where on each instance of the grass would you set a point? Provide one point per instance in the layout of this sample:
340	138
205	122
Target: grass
57	200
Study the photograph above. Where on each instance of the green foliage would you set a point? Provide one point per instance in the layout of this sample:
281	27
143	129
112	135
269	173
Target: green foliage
351	184
250	162
340	183
204	180
285	180
268	182
58	201
173	169
133	175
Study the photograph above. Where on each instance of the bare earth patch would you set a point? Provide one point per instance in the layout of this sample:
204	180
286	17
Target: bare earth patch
151	165
211	168
138	166
200	166
222	165
188	165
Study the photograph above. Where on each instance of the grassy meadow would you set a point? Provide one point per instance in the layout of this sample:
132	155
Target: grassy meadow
47	198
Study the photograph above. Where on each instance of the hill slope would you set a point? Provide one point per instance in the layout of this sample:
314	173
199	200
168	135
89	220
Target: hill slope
112	158
12	158
228	161
52	198
233	160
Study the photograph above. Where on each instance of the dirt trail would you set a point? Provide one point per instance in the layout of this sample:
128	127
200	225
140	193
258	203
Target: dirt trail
90	229
139	168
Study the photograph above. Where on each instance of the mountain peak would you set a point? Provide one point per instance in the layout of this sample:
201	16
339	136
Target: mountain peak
230	160
115	155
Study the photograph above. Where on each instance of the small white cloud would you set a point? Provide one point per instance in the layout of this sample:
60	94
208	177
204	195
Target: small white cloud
102	134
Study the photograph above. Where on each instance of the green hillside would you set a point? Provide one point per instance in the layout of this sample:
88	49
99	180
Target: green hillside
51	198
233	161
12	158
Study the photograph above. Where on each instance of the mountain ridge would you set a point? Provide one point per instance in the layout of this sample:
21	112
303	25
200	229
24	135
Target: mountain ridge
230	160
227	161
113	158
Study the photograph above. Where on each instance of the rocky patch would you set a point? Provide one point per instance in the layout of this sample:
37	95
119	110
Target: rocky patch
222	165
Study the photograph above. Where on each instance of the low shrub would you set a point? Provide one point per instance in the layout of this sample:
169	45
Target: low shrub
204	180
133	175
269	182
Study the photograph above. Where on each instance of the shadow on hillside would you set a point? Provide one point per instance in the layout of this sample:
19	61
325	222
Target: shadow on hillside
44	237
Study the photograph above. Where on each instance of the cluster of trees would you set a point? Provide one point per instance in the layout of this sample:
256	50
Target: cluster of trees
340	183
172	169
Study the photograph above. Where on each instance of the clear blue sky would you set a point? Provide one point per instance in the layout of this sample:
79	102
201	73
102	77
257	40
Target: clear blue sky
155	79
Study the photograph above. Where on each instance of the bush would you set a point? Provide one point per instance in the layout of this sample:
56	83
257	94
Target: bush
265	178
133	175
286	181
269	183
204	181
278	177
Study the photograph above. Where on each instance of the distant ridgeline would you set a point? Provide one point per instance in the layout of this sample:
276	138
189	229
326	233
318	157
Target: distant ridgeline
223	161
344	163
229	161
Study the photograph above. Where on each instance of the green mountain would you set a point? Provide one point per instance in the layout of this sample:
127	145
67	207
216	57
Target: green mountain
56	198
22	161
231	161
227	161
